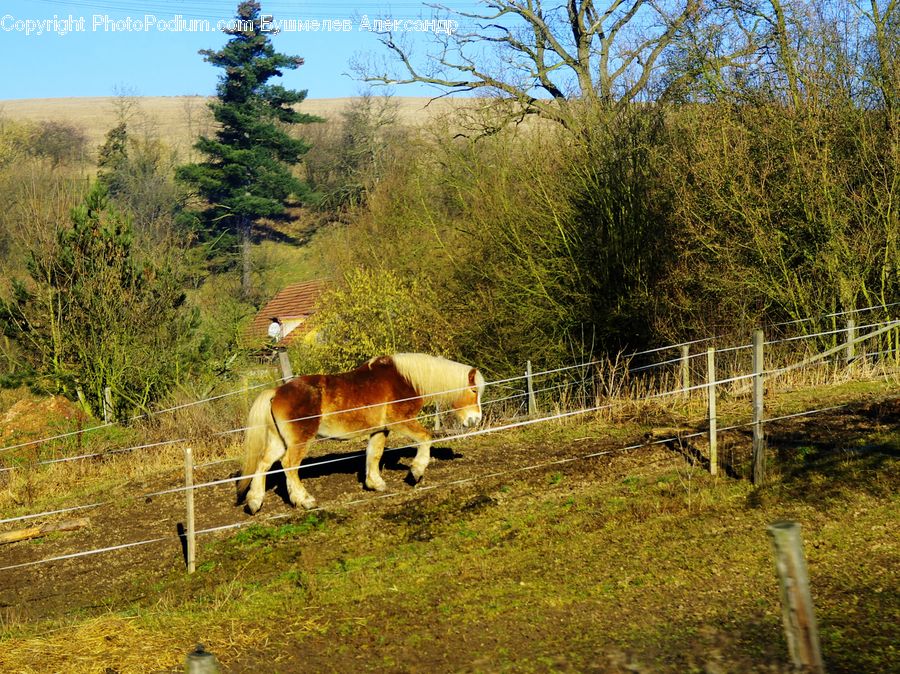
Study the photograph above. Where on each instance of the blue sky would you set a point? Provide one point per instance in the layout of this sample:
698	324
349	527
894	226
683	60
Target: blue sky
161	59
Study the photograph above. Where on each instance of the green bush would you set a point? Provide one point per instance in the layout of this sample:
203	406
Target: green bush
371	313
97	313
527	259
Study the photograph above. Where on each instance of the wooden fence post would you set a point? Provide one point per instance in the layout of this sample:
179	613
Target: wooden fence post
896	346
851	339
759	440
201	661
711	396
189	502
532	403
286	370
685	370
796	602
107	405
438	425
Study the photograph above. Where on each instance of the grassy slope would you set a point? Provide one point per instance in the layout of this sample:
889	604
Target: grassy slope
633	562
176	119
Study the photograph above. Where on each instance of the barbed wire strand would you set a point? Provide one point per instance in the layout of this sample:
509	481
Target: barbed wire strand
418	490
774	371
146	415
54	512
847	312
541	373
827	332
85	553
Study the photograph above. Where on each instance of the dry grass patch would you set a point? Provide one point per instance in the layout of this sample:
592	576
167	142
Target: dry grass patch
180	119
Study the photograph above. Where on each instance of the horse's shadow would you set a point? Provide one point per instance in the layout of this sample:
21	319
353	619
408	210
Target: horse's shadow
342	463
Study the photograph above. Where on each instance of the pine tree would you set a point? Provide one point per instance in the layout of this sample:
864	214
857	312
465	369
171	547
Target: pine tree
97	313
247	175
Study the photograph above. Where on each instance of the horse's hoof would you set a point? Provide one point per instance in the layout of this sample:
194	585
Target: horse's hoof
413	478
253	506
307	501
381	485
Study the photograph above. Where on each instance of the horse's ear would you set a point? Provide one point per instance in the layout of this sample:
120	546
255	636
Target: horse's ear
472	376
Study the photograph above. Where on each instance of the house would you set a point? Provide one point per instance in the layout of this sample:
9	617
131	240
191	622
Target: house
293	305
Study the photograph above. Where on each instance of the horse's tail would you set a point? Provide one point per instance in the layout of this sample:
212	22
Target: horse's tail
256	438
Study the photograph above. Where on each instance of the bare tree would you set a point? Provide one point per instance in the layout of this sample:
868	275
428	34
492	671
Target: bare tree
544	56
797	44
884	71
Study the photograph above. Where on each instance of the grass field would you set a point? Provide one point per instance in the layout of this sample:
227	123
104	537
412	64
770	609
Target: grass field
634	561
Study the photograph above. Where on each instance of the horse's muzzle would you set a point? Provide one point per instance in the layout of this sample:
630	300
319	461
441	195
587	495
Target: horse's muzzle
472	420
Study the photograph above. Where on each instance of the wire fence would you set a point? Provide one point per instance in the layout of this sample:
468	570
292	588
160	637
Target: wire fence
680	438
593	375
587	384
592	363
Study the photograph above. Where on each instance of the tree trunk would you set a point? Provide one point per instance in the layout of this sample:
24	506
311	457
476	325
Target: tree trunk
787	53
246	227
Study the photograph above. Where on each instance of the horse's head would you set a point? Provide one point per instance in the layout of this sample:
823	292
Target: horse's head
467	405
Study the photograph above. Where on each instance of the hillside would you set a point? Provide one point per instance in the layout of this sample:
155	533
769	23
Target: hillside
179	118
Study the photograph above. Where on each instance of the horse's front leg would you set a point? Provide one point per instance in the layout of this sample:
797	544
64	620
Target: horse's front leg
374	450
415	431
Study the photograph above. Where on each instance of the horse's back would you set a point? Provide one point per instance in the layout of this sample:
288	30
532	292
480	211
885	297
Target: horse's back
344	404
373	384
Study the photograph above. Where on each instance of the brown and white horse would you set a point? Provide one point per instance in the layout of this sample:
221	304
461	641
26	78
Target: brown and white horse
381	396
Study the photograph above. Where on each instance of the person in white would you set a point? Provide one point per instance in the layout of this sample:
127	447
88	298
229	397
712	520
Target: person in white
275	332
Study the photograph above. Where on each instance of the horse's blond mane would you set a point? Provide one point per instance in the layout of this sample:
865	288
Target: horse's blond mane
436	379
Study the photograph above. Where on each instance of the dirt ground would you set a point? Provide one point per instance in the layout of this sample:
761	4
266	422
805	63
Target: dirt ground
69	586
86	584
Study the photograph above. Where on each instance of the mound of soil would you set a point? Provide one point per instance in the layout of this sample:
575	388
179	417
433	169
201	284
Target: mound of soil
30	418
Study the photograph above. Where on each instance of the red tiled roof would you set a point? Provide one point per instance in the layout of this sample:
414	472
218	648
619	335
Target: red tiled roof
297	300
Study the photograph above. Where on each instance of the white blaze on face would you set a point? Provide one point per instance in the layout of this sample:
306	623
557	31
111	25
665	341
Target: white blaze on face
471	415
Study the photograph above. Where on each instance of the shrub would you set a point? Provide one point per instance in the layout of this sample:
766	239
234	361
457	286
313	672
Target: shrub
95	313
371	313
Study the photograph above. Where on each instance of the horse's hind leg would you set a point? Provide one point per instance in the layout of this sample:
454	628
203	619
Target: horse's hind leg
291	464
274	451
374	450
